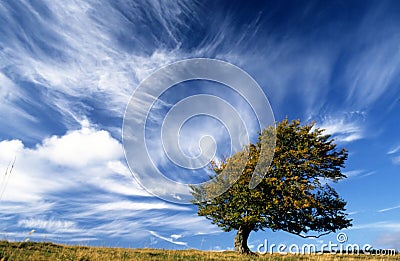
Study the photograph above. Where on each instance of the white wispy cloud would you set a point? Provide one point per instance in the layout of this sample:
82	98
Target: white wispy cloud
175	236
396	160
359	173
50	225
25	208
393	153
169	239
9	94
373	69
86	61
291	69
378	225
343	129
12	116
353	213
137	206
389	209
394	150
353	173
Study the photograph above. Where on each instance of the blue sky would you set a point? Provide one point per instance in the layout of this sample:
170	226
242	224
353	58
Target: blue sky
68	69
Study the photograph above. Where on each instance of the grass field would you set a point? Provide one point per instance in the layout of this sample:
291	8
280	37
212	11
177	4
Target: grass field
50	251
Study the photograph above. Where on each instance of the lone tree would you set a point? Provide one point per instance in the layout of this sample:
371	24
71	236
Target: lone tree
295	194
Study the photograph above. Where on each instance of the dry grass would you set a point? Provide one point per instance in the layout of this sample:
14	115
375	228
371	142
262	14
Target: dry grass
50	251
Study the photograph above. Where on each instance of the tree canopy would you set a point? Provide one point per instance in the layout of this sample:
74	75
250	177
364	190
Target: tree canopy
295	194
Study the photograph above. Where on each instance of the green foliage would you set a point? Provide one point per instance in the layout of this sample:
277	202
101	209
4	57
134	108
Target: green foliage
294	195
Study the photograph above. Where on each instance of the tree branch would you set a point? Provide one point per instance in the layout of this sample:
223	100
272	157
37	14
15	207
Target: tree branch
313	236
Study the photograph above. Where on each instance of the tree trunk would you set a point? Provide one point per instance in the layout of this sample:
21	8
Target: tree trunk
241	241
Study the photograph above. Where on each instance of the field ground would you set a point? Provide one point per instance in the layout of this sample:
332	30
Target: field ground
49	251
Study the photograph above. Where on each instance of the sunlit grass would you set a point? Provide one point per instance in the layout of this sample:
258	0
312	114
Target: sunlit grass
50	251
